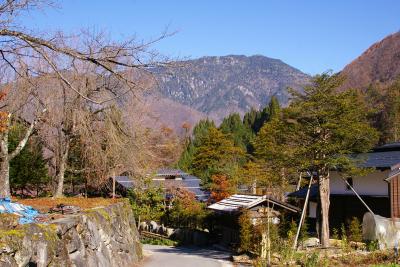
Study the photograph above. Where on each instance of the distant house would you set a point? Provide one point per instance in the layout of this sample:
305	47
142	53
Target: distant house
379	189
166	179
228	210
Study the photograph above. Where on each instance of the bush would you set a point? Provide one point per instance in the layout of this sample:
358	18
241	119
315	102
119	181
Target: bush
246	233
186	211
147	204
355	230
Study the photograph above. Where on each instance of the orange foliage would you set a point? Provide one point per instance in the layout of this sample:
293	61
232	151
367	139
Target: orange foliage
44	204
187	199
220	188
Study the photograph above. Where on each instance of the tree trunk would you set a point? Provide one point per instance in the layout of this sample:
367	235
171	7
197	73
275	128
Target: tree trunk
4	176
5	156
61	172
5	164
324	192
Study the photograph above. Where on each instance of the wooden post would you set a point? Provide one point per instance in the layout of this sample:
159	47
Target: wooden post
303	213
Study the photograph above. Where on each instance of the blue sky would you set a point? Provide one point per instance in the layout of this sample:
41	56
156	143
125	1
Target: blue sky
313	36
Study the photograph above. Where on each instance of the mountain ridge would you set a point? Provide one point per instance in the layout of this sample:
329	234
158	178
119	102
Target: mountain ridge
220	85
379	64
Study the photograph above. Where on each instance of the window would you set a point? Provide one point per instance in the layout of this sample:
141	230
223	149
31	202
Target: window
350	182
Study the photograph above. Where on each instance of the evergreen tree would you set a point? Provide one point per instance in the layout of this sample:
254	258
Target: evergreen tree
28	169
317	132
199	131
234	127
217	154
274	109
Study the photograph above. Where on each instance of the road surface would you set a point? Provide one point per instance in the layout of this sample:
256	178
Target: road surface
163	256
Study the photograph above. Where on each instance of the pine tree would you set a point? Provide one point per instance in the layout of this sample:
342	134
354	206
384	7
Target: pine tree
199	131
317	132
28	169
234	127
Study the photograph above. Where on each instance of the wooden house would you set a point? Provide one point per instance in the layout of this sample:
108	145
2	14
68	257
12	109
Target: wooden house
379	188
166	179
228	210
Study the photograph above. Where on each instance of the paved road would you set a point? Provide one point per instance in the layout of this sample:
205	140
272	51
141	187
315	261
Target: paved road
163	256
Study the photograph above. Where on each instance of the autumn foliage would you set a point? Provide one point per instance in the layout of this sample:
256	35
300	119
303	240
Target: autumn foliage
220	187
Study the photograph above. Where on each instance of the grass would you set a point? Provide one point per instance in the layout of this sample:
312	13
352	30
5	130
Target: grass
46	203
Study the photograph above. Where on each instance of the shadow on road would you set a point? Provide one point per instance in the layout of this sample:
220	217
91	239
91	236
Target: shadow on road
197	251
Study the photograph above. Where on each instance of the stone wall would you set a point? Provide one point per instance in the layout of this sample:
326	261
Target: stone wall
104	236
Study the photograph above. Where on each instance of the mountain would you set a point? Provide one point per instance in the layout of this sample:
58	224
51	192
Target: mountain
218	86
379	64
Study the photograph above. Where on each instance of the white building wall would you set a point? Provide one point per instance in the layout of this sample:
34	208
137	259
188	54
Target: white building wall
372	184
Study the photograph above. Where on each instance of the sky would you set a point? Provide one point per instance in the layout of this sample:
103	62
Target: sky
314	36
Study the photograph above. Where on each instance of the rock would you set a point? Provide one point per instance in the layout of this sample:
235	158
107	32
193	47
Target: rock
311	242
104	236
153	226
162	230
143	226
241	259
8	221
169	231
358	245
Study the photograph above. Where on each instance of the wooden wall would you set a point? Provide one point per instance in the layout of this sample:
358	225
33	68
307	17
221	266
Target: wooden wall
395	197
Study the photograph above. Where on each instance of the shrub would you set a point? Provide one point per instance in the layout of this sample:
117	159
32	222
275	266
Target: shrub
355	230
335	233
246	233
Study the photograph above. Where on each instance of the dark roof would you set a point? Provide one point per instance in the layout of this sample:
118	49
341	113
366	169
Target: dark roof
189	182
388	147
301	193
385	159
125	181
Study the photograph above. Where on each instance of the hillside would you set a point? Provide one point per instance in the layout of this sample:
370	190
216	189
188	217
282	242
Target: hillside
379	64
217	86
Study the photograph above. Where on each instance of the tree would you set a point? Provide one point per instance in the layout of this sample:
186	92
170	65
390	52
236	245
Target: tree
234	127
21	100
220	188
186	211
28	169
199	131
217	154
385	103
57	57
148	204
317	132
255	119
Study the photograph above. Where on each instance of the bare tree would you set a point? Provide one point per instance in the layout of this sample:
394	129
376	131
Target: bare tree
21	103
27	55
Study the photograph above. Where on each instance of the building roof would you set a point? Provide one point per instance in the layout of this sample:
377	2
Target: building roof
302	192
388	147
188	182
125	181
394	172
170	172
236	203
380	159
